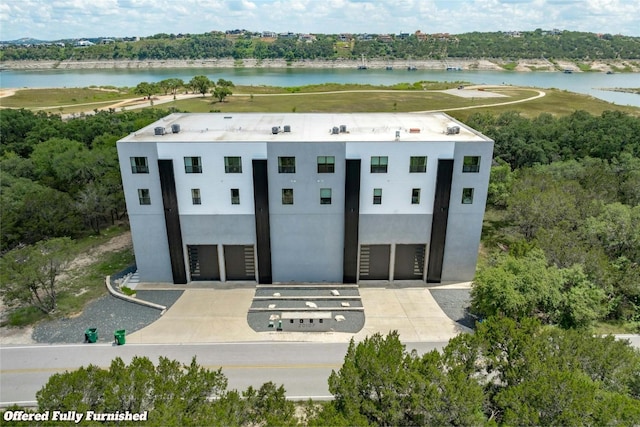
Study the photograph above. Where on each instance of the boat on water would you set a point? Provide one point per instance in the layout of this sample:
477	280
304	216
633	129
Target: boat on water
362	66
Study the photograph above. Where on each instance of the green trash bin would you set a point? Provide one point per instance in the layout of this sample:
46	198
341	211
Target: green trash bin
91	335
119	336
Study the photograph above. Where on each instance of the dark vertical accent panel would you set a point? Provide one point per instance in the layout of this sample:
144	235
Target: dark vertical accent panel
351	220
263	232
172	220
440	218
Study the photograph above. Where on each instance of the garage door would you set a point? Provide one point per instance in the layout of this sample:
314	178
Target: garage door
374	262
239	262
203	262
409	262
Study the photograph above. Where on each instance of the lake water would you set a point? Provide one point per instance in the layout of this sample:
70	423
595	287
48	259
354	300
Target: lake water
585	83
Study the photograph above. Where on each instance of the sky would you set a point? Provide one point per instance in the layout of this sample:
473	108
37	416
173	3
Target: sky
75	19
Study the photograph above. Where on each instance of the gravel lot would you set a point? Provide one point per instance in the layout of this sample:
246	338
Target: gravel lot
455	304
107	314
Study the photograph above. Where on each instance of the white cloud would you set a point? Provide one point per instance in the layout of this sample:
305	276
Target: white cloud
56	19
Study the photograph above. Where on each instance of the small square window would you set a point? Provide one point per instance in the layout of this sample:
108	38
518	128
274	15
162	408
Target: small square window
418	164
192	165
415	196
377	196
235	196
301	320
195	196
379	164
467	196
325	196
321	320
290	320
286	165
471	164
287	196
139	165
310	320
326	164
233	165
144	196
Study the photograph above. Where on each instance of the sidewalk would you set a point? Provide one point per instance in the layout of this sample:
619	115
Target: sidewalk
220	315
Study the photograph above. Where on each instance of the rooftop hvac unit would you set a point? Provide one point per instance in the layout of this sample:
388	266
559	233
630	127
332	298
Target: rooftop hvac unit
335	130
397	135
275	130
453	130
175	128
159	130
287	128
343	128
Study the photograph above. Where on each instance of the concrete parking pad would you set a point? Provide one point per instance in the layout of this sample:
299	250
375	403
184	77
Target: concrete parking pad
220	315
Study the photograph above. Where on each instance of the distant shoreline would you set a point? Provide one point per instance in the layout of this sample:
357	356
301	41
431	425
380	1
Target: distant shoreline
524	65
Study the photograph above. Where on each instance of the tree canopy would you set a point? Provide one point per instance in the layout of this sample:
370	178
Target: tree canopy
536	44
506	373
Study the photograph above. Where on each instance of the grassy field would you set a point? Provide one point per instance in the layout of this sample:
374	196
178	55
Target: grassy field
402	97
373	100
65	99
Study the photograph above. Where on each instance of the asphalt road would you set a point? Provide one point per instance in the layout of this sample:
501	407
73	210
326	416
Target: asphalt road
303	368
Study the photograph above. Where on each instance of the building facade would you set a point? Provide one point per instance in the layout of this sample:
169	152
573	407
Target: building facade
305	197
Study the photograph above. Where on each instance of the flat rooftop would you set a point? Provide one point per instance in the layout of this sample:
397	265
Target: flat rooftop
303	127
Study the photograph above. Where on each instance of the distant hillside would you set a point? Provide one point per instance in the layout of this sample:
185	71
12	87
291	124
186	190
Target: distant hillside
539	44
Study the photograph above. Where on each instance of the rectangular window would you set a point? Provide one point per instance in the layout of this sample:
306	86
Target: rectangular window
195	196
287	196
379	164
377	196
143	196
325	196
467	196
139	165
418	164
235	196
471	164
233	165
326	164
192	165
415	196
286	165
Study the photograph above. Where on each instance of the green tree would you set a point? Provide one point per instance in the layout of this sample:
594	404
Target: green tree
174	394
29	274
201	84
548	376
381	384
372	380
500	184
268	406
62	164
617	229
171	85
526	286
221	92
147	89
32	212
517	287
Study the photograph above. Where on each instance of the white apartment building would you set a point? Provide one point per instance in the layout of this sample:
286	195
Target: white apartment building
272	198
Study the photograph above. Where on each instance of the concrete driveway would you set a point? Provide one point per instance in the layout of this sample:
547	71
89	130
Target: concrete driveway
220	315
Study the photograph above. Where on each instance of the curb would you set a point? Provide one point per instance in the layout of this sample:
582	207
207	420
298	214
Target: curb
107	282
